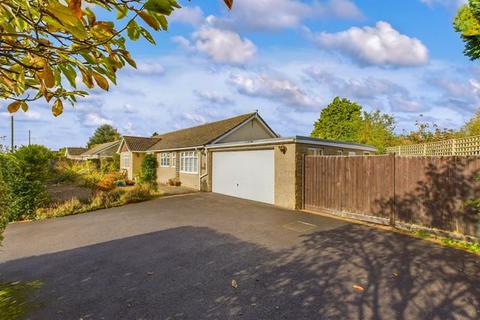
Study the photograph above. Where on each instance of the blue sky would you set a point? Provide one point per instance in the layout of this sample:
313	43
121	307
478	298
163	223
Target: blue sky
286	58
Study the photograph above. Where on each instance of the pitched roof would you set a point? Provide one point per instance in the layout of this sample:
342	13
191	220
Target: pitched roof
139	143
199	135
101	147
75	151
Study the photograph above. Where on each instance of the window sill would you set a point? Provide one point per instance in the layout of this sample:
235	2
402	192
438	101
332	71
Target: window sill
186	172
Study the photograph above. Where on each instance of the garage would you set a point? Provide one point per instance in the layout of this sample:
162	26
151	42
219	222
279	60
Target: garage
245	174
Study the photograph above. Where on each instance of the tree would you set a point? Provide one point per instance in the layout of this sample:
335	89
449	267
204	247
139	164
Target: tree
467	23
377	129
45	44
426	132
340	120
344	120
472	127
103	134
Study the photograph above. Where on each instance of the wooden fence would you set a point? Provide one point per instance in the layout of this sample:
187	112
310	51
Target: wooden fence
431	192
469	146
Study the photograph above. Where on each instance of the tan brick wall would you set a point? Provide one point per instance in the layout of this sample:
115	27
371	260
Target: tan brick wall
285	175
165	173
137	159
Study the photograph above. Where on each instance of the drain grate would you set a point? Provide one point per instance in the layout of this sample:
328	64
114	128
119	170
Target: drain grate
299	226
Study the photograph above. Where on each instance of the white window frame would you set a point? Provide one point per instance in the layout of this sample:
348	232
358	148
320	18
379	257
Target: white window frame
126	158
164	159
173	164
315	151
189	162
352	153
340	152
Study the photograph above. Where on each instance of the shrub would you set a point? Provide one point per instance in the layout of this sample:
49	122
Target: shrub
140	192
110	165
66	208
149	170
103	200
107	183
22	176
174	182
34	161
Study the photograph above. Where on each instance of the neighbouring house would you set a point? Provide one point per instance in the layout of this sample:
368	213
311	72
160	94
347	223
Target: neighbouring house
99	152
132	152
240	156
74	153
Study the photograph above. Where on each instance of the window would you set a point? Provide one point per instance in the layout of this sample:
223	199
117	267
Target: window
189	162
340	152
315	152
164	159
126	161
174	159
352	153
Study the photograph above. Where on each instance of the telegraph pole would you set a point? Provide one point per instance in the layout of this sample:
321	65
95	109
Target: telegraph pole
29	137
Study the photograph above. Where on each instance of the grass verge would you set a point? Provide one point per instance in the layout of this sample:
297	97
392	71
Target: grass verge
13	299
449	242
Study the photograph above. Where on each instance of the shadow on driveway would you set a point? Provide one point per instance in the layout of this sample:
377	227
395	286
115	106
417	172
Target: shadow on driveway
186	273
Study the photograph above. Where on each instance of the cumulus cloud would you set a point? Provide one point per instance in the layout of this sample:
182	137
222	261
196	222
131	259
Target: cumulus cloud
280	14
359	88
378	45
213	97
370	90
281	90
149	68
453	4
95	120
188	15
406	104
223	46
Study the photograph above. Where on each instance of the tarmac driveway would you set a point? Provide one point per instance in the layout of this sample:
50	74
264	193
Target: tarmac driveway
175	258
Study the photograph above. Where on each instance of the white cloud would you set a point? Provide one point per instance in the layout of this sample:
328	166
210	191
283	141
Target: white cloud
403	104
214	97
183	42
379	45
280	14
128	129
224	46
128	108
188	15
149	68
359	88
280	90
453	4
95	120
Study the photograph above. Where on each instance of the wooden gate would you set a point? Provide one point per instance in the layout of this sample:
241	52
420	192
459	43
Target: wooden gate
428	191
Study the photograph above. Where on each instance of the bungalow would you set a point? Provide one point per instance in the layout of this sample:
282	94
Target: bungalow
74	153
99	152
240	156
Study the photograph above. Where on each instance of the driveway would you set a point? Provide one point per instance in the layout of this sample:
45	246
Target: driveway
175	258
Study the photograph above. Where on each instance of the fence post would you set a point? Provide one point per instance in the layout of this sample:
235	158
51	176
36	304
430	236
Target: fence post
393	202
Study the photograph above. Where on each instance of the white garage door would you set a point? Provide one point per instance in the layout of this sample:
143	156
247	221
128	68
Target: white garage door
245	174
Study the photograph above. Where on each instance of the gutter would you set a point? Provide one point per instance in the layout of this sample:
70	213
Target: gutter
337	144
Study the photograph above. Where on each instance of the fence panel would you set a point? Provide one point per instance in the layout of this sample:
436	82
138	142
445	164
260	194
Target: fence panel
419	190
